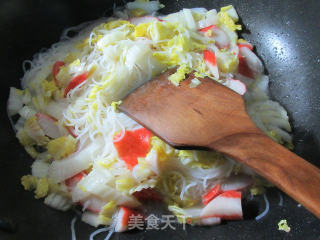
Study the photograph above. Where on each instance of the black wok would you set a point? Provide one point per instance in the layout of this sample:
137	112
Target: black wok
286	34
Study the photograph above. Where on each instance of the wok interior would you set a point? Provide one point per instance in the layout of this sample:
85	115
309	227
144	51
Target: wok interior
286	37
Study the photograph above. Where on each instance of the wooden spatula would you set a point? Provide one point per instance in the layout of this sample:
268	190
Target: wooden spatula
212	116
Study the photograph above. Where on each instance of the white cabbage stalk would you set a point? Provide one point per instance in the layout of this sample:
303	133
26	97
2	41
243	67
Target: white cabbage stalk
96	183
20	124
40	168
58	201
15	101
44	156
199	10
56	108
253	61
233	14
271	116
63	169
176	17
211	18
79	193
105	193
91	218
189	19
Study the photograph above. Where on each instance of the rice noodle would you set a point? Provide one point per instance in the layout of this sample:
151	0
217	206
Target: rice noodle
266	210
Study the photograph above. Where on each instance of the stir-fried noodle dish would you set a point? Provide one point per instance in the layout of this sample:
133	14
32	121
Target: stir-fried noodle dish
89	154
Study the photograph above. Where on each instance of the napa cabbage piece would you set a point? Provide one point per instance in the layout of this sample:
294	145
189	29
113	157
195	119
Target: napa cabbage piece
202	159
179	213
41	186
171	184
114	105
142	7
259	186
49	89
101	183
186	215
146	184
63	169
174	43
142	171
105	215
164	151
32	131
24	138
91	218
27	112
40	168
227	62
283	226
17	98
194	83
179	75
230	10
125	183
228	17
62	147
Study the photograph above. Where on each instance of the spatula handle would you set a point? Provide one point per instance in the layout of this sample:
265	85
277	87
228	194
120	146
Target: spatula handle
292	174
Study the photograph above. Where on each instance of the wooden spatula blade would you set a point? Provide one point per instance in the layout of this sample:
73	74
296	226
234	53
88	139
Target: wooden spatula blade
214	117
182	116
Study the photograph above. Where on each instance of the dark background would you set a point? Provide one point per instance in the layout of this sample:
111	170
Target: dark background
286	34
